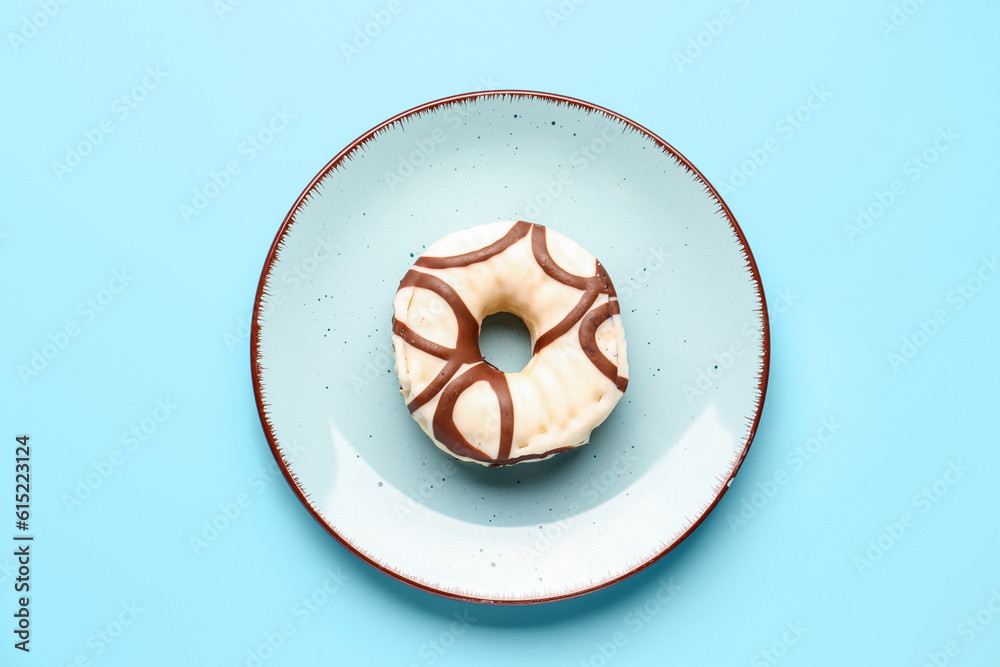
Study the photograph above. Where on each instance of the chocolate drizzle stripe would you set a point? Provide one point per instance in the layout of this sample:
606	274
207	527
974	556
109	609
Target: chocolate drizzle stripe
506	401
416	340
515	234
466	350
445	429
605	279
467	344
540	250
468	327
588	341
567	322
439	382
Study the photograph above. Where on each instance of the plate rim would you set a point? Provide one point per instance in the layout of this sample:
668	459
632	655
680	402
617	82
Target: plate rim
345	155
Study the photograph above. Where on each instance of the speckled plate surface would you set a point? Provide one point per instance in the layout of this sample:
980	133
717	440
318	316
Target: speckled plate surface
694	315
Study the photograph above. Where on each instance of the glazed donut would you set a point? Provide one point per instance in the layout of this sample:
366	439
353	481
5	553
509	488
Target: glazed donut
577	372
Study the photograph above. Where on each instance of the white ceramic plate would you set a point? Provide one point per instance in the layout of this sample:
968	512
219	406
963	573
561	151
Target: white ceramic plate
695	322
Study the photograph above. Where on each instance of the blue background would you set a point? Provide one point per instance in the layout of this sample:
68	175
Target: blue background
842	546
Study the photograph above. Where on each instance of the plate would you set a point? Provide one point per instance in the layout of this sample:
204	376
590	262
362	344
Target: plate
695	321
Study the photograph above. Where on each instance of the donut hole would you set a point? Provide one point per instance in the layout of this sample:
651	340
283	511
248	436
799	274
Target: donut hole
505	342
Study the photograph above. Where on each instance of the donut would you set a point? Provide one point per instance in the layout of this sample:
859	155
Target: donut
577	372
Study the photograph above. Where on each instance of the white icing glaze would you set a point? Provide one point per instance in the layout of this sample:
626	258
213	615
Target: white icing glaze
561	395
